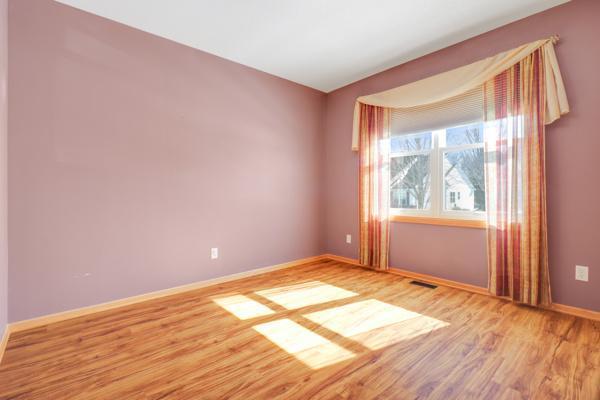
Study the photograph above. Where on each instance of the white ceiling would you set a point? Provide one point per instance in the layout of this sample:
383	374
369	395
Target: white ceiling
324	44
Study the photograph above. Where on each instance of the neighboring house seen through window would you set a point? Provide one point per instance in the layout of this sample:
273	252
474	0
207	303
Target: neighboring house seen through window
439	173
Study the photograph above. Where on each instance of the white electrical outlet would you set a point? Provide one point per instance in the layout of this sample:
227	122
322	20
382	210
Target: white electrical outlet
348	238
581	273
214	253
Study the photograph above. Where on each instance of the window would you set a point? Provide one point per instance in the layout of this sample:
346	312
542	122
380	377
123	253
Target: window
439	173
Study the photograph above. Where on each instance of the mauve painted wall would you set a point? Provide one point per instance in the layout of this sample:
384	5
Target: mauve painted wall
131	156
572	153
3	166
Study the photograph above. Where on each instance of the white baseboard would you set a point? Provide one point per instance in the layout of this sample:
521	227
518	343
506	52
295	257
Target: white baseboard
64	315
4	342
561	308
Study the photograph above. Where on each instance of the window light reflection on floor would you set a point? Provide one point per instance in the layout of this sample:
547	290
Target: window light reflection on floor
242	306
312	349
305	294
375	324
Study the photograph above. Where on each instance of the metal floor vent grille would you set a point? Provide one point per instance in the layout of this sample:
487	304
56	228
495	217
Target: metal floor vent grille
427	285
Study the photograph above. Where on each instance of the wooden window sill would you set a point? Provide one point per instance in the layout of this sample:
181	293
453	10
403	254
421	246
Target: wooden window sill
463	223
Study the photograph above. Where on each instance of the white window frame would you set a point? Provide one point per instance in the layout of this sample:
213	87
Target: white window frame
437	184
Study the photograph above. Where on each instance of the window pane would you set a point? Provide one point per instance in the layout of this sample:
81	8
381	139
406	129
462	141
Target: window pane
410	182
466	134
464	181
415	142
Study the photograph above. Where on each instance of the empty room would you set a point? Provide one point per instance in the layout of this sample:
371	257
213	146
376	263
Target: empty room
288	199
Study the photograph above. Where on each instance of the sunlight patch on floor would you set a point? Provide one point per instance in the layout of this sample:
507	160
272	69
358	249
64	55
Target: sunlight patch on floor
312	349
242	306
375	324
305	294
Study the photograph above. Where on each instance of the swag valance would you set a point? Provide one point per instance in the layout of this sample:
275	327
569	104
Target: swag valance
461	80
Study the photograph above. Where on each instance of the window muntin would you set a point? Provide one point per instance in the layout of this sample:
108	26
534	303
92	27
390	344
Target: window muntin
439	173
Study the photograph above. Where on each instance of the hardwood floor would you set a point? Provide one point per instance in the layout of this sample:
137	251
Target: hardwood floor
324	330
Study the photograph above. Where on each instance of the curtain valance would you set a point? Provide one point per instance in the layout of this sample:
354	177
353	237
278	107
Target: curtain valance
461	80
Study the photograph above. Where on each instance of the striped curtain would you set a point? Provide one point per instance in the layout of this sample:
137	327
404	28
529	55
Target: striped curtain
515	107
374	187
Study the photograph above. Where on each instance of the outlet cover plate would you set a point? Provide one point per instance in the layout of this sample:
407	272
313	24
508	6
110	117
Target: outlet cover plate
581	273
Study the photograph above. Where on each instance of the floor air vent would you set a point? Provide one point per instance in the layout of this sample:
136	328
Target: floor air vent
427	285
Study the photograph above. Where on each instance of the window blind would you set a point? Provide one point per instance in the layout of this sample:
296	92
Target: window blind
459	110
